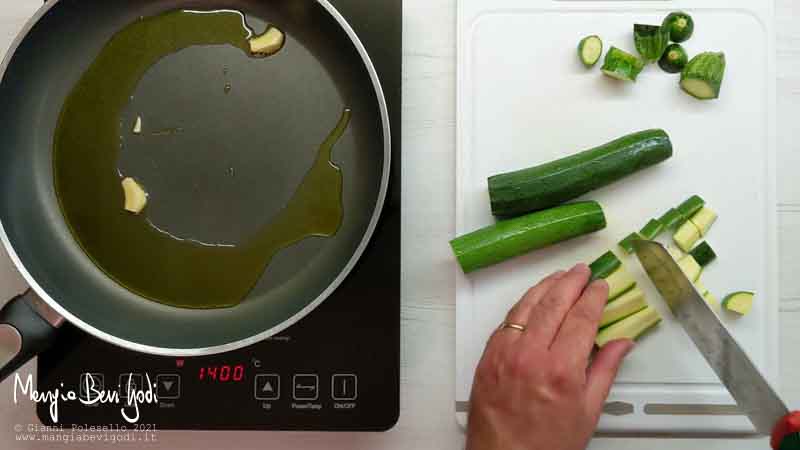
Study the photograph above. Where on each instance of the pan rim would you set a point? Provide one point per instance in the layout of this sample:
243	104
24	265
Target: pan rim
296	317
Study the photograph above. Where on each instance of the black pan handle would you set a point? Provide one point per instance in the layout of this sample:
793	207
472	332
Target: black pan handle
28	326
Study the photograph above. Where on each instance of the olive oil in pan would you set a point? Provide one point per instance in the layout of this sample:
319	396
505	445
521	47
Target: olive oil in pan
127	247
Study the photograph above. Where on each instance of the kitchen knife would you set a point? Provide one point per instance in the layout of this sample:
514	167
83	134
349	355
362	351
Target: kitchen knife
752	392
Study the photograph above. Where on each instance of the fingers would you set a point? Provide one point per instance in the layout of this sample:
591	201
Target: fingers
603	371
519	312
575	338
548	314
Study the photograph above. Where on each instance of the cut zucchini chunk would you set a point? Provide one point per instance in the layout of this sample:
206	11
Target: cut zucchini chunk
623	306
632	327
509	238
690	267
652	230
672	219
621	65
627	243
651	41
686	236
703	254
619	282
675	252
590	49
739	302
555	182
712	301
703	220
674	59
604	265
703	74
690	206
701	288
680	26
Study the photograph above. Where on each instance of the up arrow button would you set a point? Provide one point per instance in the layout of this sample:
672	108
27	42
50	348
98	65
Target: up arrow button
268	387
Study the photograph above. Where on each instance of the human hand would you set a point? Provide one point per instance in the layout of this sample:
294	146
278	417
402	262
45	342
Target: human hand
535	389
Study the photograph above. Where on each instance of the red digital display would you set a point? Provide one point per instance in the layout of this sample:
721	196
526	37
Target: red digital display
222	373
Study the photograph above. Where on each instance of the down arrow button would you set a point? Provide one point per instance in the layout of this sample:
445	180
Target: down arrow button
168	387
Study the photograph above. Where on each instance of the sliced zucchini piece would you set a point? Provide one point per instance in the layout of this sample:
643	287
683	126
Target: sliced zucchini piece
686	236
703	74
604	265
627	243
690	206
622	65
680	26
676	253
703	254
712	301
653	228
674	59
623	306
701	288
632	327
651	41
739	302
690	267
672	219
590	49
619	282
703	220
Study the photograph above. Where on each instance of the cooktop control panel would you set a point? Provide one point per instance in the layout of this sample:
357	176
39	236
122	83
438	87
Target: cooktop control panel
294	381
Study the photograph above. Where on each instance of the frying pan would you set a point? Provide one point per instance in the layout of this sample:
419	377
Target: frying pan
266	125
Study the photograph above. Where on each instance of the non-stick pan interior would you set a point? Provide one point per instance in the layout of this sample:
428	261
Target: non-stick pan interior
232	138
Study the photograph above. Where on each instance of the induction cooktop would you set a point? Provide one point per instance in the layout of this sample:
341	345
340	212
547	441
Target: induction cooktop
338	369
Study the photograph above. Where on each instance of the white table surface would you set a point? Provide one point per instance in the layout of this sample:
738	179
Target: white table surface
427	419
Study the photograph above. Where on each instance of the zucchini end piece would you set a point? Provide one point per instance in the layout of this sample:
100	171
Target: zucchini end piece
702	77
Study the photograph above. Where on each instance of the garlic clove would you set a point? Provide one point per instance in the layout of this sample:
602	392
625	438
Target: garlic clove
135	196
268	43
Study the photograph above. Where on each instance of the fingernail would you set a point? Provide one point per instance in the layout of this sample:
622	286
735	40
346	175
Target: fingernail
599	282
580	267
630	345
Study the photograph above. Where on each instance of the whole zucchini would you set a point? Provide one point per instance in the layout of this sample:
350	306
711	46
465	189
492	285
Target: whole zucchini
556	182
509	238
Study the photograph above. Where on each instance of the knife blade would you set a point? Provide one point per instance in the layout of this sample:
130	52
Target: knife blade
744	381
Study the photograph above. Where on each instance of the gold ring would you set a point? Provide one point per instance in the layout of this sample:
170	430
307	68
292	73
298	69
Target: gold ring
512	326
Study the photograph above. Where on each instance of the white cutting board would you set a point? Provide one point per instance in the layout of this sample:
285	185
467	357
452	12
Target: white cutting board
524	98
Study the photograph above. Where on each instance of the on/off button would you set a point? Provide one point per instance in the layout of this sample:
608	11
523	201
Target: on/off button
344	387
